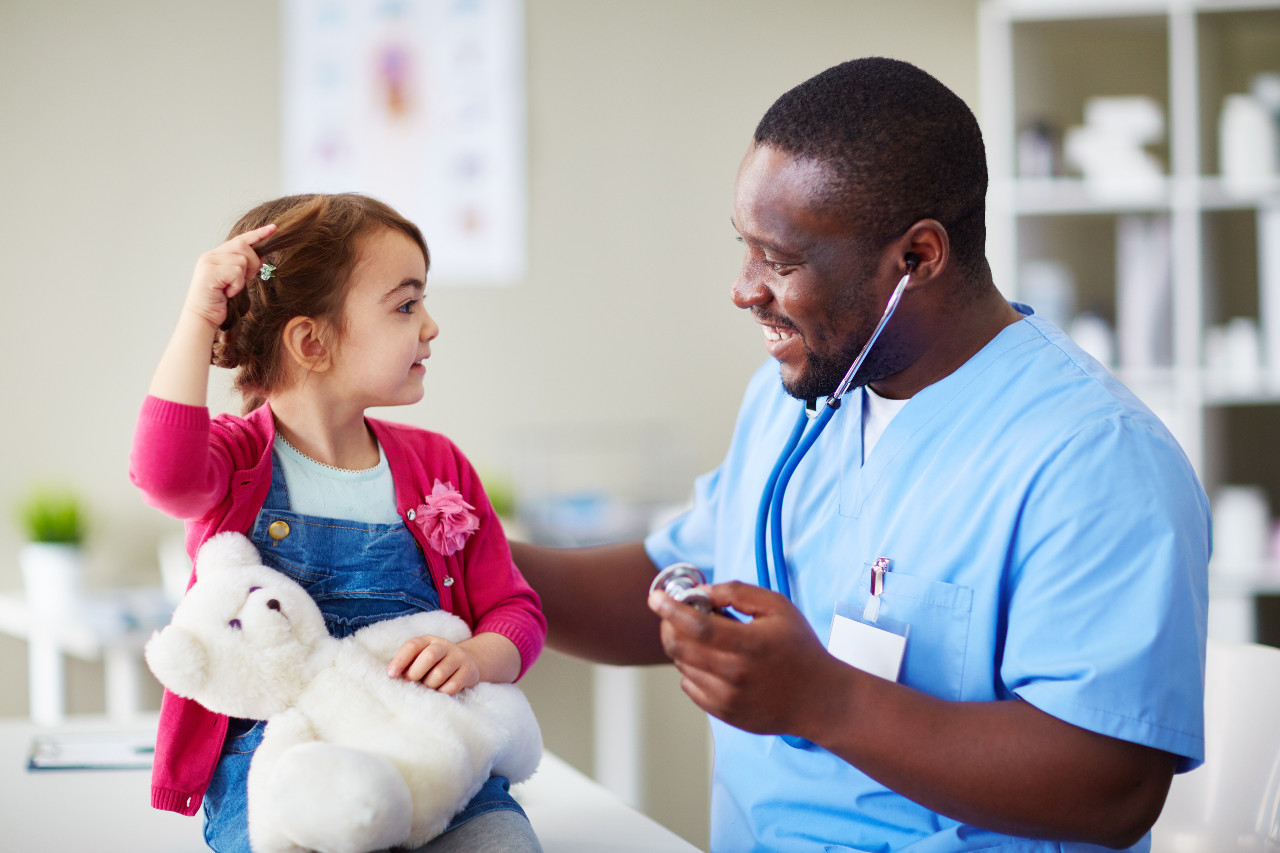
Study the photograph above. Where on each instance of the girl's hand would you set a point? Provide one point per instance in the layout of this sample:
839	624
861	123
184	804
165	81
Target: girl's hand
437	663
221	273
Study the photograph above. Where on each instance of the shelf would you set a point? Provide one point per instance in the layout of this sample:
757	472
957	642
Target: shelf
1215	194
1074	10
1213	388
1263	582
1263	394
1054	196
1077	196
1041	63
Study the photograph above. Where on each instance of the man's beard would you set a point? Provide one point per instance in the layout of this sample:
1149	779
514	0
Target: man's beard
823	374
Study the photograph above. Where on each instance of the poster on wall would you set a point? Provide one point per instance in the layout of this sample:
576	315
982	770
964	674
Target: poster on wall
418	103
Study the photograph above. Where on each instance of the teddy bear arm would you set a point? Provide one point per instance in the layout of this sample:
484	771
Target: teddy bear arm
517	736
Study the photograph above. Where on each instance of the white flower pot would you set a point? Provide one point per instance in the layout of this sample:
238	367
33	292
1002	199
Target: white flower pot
53	576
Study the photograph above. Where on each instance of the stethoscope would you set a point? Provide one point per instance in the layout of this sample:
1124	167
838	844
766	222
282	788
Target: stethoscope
769	516
682	580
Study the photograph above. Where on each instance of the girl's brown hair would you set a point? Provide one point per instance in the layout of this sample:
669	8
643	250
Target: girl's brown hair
313	251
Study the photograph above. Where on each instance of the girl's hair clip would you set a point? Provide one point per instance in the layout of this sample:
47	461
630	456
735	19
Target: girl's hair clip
266	271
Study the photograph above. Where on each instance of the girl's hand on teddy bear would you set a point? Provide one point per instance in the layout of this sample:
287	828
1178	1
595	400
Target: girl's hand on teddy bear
436	663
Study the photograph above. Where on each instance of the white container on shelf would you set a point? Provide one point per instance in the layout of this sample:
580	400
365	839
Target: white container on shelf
1241	532
1247	144
1269	283
1050	289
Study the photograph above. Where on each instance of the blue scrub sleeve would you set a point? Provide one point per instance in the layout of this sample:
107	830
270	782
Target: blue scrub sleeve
691	537
1109	598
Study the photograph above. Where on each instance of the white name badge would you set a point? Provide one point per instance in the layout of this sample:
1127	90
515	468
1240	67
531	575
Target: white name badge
875	647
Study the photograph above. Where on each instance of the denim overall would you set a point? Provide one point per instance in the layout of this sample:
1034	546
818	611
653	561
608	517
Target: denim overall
358	574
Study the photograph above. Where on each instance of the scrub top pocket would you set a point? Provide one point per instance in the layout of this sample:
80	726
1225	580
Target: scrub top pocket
938	614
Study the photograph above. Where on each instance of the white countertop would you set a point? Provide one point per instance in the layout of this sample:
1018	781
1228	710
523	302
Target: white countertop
110	810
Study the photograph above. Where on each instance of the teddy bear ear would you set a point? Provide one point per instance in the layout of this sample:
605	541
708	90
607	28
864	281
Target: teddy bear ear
224	551
178	659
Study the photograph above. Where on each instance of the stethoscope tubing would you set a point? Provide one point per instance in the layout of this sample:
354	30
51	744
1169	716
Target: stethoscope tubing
763	515
793	461
769	515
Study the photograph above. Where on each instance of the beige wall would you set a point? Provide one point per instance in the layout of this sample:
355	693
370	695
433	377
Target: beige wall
135	131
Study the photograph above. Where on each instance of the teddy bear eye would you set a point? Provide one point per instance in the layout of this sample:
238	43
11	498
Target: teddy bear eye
234	623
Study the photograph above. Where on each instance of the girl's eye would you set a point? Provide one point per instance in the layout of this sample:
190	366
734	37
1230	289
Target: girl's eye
407	308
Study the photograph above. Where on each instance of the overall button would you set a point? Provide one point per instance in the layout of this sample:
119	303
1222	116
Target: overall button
277	530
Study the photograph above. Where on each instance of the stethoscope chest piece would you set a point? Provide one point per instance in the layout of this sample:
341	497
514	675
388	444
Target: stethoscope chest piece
680	581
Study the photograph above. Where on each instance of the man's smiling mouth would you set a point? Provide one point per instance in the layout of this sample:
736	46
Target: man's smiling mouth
777	333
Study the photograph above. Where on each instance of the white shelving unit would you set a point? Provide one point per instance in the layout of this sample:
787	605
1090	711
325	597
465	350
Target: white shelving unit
1040	61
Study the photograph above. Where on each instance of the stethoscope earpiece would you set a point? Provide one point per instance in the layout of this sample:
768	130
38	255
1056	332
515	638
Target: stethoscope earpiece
912	260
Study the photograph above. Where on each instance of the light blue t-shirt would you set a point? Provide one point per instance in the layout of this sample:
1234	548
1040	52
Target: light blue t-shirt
367	495
1049	541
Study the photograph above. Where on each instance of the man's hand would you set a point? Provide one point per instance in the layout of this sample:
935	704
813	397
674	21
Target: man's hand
1005	765
760	676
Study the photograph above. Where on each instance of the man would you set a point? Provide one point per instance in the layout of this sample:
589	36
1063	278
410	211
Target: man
1028	525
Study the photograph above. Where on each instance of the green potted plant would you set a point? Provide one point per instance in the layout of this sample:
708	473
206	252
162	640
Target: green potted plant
52	559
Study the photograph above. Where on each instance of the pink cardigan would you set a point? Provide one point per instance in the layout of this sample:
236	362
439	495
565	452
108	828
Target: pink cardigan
215	474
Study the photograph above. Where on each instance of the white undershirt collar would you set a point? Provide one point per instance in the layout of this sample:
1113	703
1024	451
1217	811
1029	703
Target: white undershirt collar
877	411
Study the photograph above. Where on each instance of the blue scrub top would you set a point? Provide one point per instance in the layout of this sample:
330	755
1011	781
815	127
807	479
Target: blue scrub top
1049	541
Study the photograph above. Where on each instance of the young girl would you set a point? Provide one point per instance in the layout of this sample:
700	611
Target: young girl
317	302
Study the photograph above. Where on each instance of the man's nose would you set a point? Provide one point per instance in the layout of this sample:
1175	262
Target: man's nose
747	290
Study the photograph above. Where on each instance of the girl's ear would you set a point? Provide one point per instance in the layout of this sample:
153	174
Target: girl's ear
304	340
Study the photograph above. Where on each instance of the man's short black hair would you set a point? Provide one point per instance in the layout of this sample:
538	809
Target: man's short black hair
901	147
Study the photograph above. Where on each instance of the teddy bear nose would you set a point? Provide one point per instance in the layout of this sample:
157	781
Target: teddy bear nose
273	604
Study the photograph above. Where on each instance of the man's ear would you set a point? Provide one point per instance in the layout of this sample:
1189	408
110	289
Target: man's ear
928	246
306	342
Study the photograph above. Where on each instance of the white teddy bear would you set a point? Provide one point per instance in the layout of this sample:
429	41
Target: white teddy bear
351	760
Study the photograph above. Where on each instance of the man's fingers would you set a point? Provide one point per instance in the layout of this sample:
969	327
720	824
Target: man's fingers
705	689
686	619
743	597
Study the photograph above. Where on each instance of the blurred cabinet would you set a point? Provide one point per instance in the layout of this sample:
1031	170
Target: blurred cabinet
1126	205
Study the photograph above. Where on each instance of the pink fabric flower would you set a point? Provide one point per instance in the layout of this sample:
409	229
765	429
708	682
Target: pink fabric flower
446	519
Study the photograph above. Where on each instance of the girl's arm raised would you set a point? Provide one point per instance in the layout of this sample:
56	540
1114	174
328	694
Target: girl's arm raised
182	375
